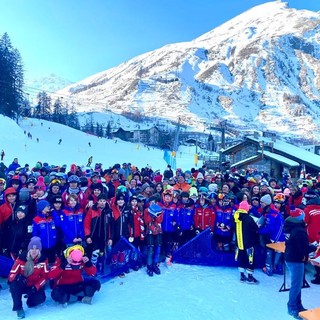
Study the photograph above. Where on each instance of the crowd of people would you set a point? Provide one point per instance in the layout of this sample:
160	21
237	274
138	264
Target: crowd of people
65	219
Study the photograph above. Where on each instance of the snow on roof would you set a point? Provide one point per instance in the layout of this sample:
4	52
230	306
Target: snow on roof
240	163
281	146
279	158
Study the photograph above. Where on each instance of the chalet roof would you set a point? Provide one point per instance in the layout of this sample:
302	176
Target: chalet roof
290	163
234	147
288	150
246	161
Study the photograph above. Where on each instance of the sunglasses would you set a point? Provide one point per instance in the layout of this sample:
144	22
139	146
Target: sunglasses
76	262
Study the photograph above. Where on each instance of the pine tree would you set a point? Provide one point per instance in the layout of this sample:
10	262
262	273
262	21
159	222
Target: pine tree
57	114
11	78
43	107
108	130
73	120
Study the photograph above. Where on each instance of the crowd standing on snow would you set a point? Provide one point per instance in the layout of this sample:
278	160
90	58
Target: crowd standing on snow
60	221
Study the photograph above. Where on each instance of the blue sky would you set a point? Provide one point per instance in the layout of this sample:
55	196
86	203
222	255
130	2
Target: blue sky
78	38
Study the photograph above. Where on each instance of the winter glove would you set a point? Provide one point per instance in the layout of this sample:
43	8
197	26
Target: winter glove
87	262
21	280
32	290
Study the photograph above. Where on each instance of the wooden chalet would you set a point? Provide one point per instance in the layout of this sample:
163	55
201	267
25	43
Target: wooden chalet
271	156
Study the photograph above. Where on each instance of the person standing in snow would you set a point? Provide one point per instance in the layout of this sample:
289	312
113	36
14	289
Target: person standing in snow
74	189
153	217
246	238
2	155
296	255
45	228
72	222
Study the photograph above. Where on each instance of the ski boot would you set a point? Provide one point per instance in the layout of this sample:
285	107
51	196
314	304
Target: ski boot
243	277
156	269
267	270
251	279
278	269
86	300
20	314
149	271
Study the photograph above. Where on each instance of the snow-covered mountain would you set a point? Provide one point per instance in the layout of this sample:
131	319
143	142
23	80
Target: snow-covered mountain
260	70
50	83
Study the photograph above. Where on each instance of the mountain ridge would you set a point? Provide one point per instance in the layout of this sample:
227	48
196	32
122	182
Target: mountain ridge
259	70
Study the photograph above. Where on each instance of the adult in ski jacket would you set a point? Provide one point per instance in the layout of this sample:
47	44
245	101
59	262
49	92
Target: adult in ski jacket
72	222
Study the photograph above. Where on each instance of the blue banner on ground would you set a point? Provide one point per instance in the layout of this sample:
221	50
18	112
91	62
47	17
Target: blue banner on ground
5	266
198	251
120	259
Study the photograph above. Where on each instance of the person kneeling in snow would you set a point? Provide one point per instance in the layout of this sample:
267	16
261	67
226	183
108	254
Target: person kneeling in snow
28	276
70	285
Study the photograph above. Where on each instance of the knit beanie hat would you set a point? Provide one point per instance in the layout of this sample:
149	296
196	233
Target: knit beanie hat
76	257
120	197
255	198
213	187
297	213
24	194
193	192
244	205
200	176
40	184
23	209
42	204
157	178
145	186
35	243
184	194
57	199
74	178
266	199
102	196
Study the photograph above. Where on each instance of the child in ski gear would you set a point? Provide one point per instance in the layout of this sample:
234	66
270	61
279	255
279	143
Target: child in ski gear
153	217
74	188
224	223
169	223
6	216
69	284
28	276
44	227
20	232
97	229
72	219
271	231
136	227
185	228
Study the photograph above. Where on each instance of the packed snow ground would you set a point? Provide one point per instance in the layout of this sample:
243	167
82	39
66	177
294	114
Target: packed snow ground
180	292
